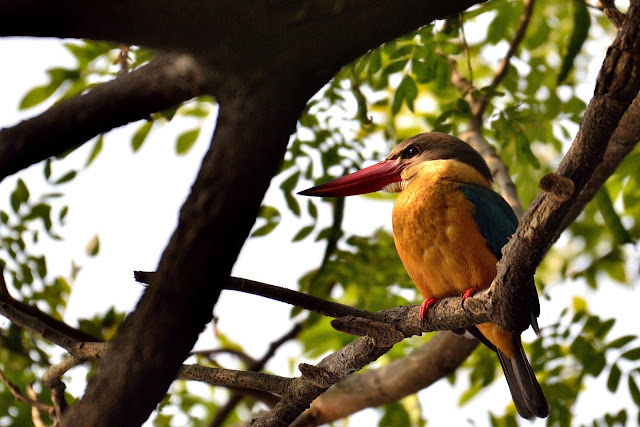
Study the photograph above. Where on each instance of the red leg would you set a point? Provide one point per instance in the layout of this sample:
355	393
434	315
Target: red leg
468	293
424	307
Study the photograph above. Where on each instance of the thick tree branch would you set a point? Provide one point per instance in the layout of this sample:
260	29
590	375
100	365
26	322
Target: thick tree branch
165	82
622	142
617	85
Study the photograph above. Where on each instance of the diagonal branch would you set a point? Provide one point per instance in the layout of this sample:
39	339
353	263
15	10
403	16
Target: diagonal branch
20	397
165	82
437	358
622	142
617	86
35	320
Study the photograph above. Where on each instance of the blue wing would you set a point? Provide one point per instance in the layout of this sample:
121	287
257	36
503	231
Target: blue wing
493	215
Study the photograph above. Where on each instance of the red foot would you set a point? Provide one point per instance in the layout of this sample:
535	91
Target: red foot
424	307
468	293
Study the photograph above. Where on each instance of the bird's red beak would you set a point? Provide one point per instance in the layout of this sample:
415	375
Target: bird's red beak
367	180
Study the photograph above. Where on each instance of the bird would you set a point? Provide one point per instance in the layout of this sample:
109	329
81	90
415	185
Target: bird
449	227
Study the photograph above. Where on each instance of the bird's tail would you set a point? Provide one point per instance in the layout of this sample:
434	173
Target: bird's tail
525	390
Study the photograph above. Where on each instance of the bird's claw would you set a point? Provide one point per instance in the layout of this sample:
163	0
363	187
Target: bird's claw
424	307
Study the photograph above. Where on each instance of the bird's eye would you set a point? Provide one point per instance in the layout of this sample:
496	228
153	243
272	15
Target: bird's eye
412	151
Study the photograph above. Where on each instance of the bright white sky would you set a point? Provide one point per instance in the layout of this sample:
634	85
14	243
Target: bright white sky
131	201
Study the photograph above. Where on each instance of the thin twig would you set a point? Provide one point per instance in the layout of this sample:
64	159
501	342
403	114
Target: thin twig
503	66
20	397
248	360
237	396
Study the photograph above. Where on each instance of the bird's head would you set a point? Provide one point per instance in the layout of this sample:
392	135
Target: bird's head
395	172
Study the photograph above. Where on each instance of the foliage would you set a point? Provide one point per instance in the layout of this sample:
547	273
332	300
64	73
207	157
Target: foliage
394	91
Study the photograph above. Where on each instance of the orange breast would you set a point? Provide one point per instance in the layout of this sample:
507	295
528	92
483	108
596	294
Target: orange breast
441	246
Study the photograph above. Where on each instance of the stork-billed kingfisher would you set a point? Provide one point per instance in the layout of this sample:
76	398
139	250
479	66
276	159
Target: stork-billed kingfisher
449	227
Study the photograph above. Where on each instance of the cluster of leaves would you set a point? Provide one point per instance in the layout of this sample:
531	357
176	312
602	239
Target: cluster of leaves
24	355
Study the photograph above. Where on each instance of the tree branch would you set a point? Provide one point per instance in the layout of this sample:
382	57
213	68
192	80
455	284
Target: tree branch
437	358
34	320
166	81
617	85
20	397
622	142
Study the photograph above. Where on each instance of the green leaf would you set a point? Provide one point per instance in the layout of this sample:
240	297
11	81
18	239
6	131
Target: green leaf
19	195
264	230
523	150
292	204
4	217
63	213
633	389
611	217
36	95
304	232
313	210
288	184
66	177
395	415
186	140
614	378
375	62
622	341
97	148
42	211
407	92
47	169
581	24
631	354
141	135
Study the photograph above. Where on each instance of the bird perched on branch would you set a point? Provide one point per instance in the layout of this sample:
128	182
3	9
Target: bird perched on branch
449	228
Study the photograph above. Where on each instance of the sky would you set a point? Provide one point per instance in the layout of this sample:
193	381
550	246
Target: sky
131	201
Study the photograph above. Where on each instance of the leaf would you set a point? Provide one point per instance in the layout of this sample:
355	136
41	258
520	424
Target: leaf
375	63
622	341
611	217
97	148
140	135
288	184
304	232
265	229
93	246
42	211
407	92
523	150
19	195
186	140
614	378
36	95
395	415
633	389
581	24
66	177
313	210
631	354
47	169
292	204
